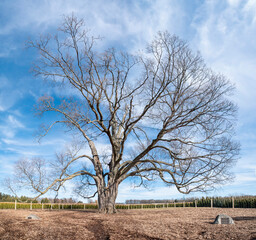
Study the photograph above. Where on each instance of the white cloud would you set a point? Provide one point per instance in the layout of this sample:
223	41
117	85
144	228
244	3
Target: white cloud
133	22
7	166
245	177
10	133
234	3
8	93
10	126
14	122
30	142
250	9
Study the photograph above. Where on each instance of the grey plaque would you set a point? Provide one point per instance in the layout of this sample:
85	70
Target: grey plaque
224	221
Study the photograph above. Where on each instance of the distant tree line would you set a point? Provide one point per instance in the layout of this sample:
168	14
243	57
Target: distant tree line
149	201
9	198
58	200
226	202
247	201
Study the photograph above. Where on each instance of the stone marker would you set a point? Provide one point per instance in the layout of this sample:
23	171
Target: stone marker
223	219
32	216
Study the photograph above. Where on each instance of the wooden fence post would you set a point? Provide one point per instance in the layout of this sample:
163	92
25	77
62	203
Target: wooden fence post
62	206
183	203
42	206
233	202
71	207
196	203
30	205
211	203
51	206
175	204
84	206
15	204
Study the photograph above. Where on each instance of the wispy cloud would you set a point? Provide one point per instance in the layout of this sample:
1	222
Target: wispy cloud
130	22
225	36
10	125
8	94
14	123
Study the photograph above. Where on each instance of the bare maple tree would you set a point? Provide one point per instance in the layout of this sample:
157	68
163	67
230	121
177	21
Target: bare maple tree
164	115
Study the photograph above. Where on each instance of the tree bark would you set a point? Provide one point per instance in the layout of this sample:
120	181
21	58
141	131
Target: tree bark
107	198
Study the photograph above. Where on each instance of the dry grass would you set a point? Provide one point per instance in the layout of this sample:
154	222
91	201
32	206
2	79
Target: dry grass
179	223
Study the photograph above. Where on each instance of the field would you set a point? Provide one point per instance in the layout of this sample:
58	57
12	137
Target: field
171	223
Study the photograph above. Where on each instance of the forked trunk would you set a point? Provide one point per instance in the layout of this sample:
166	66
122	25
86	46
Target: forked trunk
107	198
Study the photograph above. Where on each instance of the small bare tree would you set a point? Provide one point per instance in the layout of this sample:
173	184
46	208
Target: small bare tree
163	114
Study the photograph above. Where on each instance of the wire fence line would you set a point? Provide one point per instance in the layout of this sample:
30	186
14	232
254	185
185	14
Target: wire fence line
219	202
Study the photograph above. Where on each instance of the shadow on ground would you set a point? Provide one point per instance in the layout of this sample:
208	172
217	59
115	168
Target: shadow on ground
244	218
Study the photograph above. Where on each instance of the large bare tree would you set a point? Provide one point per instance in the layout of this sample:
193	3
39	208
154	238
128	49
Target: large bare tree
163	113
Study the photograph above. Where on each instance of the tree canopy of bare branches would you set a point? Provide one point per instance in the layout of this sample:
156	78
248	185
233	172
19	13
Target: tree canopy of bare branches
163	113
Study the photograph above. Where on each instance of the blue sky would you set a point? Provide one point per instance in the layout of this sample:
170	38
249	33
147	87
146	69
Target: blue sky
224	31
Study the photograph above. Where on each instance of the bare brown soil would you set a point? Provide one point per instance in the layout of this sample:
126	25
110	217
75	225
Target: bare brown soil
171	223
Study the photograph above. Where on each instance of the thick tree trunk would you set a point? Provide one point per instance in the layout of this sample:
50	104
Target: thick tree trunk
107	198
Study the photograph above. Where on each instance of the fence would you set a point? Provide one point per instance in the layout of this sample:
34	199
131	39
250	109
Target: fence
45	206
82	206
218	202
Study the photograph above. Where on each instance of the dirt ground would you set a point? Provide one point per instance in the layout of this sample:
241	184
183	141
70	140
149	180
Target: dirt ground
171	223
